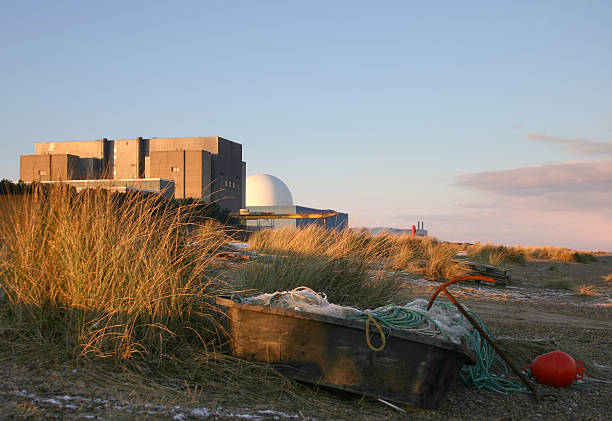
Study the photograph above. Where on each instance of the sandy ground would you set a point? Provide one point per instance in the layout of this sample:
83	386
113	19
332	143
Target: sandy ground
526	317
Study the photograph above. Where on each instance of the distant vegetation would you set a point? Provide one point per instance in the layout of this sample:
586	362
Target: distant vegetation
198	211
8	187
497	255
559	254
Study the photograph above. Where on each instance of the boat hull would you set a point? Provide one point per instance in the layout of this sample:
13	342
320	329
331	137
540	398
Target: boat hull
412	368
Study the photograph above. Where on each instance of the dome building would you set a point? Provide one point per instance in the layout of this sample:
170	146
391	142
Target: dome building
267	190
269	204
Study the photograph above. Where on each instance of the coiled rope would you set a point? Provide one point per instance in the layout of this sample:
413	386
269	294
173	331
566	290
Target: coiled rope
480	375
400	318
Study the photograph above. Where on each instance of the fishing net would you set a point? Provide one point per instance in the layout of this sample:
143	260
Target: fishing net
441	321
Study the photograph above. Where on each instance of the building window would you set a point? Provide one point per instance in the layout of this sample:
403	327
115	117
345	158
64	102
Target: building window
42	172
175	169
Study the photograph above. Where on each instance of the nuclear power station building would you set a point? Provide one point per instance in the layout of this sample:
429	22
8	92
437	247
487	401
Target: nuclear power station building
210	169
269	205
205	168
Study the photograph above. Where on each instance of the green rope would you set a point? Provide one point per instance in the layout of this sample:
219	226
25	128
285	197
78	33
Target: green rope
402	318
480	375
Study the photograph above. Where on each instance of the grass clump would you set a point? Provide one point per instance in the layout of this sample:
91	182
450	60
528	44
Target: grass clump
424	256
495	255
349	267
587	290
559	254
105	274
345	281
562	284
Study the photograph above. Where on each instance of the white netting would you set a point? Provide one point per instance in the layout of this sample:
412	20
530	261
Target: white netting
441	320
448	319
305	300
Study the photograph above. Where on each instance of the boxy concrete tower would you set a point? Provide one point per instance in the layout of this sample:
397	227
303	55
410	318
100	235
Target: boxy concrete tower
205	168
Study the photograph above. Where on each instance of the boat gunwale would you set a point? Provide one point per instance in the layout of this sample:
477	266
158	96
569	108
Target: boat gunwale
470	358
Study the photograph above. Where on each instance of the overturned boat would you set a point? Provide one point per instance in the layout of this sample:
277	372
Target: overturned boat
346	353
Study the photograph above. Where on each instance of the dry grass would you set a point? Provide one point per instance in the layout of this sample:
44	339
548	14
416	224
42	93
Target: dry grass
106	274
351	267
558	254
345	281
588	290
423	256
122	277
348	267
495	255
318	241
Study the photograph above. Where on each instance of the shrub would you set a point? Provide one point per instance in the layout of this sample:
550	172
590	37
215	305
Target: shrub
559	284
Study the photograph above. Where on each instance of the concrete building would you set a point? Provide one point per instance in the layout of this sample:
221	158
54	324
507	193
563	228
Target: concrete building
206	168
269	205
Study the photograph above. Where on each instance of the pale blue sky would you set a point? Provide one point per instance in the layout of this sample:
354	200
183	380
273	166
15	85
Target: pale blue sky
387	110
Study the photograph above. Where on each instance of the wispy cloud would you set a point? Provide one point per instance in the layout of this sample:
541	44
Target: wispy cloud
565	204
581	176
583	186
575	145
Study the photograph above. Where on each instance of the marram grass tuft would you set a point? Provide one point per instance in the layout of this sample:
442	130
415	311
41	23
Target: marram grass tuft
106	274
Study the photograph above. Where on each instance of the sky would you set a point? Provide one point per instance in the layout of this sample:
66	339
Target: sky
488	121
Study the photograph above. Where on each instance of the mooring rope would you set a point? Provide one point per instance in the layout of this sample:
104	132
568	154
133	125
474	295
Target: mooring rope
382	334
481	375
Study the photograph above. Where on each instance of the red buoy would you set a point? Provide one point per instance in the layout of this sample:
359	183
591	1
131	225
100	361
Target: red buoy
556	369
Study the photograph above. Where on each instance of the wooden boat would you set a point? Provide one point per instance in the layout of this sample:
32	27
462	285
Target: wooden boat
412	368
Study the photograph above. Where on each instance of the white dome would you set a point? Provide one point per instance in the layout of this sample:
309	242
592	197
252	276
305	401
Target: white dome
267	190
